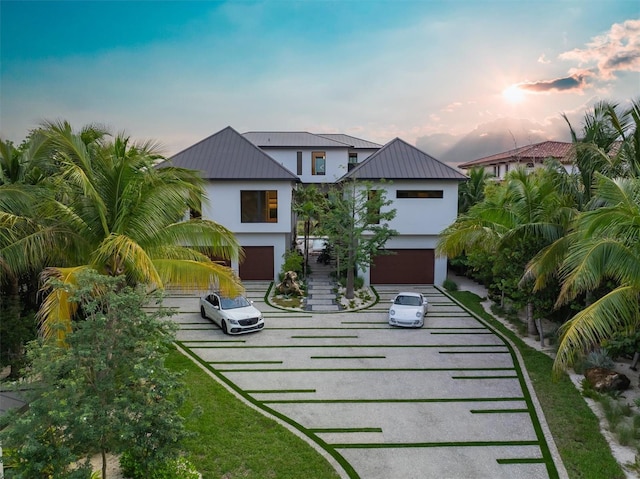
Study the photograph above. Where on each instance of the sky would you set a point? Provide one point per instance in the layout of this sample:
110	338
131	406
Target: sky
435	73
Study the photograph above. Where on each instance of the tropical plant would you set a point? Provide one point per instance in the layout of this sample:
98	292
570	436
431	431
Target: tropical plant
605	247
471	191
308	204
112	208
355	222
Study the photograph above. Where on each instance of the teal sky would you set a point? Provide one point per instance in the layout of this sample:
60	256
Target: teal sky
427	71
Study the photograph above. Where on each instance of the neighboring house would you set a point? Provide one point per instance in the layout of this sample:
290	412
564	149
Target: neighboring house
251	179
529	157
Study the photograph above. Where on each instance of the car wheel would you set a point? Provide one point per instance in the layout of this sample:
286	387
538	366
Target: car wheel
224	327
202	313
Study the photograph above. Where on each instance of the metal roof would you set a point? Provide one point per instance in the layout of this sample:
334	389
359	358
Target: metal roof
227	155
352	141
399	160
290	139
560	150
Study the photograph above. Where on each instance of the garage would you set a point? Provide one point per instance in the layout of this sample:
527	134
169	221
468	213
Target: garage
257	264
403	266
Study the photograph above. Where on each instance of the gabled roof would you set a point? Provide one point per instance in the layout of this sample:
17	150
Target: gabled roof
227	155
559	150
291	139
352	141
399	160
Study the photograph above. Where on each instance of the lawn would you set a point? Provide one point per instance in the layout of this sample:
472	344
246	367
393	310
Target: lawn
233	440
576	430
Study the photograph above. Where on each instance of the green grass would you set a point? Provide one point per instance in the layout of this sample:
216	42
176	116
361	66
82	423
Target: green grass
233	440
575	429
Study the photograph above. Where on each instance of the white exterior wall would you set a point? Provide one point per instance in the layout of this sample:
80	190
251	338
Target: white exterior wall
224	208
336	164
419	221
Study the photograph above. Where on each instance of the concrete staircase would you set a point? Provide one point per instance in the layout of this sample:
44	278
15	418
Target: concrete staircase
320	290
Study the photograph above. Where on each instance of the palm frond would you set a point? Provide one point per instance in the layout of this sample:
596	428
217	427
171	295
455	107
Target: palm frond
613	313
201	276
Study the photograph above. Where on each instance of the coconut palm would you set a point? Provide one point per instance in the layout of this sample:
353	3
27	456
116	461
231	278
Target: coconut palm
472	191
121	215
605	247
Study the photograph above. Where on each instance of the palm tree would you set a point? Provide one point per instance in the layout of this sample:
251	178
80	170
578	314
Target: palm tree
472	191
119	214
605	247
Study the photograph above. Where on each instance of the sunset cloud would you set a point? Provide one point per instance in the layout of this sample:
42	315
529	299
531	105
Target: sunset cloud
569	83
617	50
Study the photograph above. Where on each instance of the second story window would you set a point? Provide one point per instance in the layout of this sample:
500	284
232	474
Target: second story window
353	160
259	206
299	163
318	163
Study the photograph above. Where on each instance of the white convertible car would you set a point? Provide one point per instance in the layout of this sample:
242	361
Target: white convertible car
408	310
233	315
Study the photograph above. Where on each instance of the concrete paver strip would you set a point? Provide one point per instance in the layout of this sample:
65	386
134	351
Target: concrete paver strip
444	401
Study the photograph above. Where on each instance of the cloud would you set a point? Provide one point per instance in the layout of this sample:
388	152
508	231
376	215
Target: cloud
573	82
617	50
543	59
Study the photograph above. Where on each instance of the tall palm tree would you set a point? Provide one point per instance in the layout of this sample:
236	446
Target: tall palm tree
121	215
605	247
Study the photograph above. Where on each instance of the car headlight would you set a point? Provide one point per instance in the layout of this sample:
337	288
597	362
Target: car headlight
233	321
392	312
418	314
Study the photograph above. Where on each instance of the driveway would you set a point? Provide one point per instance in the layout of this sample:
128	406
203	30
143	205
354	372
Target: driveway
445	401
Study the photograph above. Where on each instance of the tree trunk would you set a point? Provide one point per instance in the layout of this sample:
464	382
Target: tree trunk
532	330
349	294
307	227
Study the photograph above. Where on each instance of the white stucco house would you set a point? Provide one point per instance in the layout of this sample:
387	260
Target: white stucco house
528	157
251	178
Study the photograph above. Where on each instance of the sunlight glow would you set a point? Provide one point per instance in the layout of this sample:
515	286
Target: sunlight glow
513	94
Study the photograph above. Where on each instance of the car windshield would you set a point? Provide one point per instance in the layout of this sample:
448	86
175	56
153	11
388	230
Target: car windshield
233	303
408	301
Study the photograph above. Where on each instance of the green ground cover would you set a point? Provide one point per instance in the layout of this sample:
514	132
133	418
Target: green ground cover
576	430
233	440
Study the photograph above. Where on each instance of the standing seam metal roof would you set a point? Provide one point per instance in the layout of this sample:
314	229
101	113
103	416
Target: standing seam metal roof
400	160
227	155
290	139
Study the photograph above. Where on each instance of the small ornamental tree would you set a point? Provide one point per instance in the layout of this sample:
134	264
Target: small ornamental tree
355	223
107	391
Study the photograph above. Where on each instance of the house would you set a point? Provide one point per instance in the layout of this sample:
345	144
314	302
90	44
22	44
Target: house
424	192
251	178
530	157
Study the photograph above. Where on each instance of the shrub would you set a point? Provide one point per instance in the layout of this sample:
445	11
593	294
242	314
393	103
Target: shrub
293	261
450	285
179	468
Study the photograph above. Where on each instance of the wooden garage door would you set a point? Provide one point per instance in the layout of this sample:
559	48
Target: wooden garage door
406	266
257	264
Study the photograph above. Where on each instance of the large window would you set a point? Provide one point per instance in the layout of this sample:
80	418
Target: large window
419	194
259	206
318	163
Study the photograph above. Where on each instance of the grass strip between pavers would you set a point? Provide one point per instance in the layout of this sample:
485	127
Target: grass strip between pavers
345	429
245	362
461	333
347	357
278	391
386	445
544	447
484	377
348	468
328	370
390	401
473	352
523	460
325	337
343	345
499	411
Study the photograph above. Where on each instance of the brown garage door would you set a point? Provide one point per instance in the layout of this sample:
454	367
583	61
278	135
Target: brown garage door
406	266
257	264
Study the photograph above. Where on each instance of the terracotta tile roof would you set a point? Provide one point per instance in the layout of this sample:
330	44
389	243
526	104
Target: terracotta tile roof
559	150
227	155
399	160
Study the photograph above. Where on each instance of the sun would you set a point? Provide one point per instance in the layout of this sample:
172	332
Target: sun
513	94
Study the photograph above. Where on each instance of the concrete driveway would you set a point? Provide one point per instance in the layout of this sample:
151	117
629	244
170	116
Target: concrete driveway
445	401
